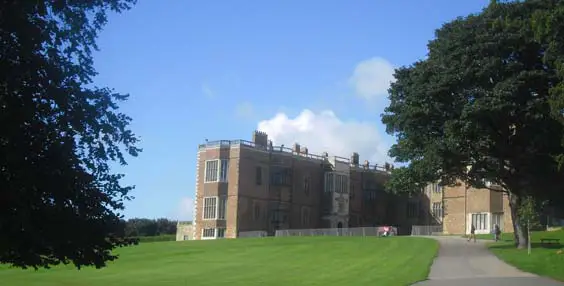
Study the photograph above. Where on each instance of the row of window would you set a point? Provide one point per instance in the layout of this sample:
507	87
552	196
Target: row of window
214	208
439	189
210	233
482	223
280	216
216	171
337	183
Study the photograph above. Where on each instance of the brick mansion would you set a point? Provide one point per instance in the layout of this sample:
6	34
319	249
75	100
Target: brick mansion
252	185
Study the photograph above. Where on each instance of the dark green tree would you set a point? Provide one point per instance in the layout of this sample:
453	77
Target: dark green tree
59	133
480	108
548	24
165	226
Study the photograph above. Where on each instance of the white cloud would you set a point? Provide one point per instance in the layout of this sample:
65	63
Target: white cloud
371	78
244	110
185	209
325	132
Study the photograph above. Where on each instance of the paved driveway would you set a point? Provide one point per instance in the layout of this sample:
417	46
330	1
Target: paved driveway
464	263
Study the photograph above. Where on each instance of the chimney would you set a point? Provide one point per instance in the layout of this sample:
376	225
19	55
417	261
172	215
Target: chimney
325	154
354	159
260	138
296	148
305	150
366	164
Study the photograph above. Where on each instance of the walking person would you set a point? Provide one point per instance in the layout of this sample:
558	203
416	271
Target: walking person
472	233
497	232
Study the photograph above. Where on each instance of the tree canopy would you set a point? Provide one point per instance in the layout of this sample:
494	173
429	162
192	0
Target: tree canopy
137	227
485	105
59	133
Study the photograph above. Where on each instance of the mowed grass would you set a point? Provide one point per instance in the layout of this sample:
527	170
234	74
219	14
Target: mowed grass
268	261
544	260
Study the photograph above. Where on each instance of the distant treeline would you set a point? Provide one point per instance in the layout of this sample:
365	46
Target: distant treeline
142	227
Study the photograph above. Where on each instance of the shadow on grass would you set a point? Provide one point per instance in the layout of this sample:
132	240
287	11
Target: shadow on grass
511	245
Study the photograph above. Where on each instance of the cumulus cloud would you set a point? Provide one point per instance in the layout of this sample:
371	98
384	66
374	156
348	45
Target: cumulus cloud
371	78
185	209
325	132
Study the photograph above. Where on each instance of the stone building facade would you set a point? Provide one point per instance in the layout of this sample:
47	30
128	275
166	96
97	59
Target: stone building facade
254	186
456	208
184	231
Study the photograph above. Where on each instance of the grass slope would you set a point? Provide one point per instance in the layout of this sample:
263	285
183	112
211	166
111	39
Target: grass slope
269	261
544	260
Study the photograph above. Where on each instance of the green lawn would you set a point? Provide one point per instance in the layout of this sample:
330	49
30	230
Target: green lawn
268	261
544	260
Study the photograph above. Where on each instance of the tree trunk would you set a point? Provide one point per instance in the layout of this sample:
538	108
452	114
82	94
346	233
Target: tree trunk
519	229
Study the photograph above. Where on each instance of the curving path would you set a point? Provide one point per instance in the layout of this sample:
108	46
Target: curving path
464	263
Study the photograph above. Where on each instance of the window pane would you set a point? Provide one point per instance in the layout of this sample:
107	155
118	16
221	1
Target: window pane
224	170
259	176
220	232
222	208
208	232
210	208
211	171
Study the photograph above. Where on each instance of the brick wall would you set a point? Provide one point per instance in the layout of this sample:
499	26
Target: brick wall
457	221
507	220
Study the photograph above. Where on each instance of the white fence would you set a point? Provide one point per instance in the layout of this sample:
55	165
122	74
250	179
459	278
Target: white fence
356	231
427	230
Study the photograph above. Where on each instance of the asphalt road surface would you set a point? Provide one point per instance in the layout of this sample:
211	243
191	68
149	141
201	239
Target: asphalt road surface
464	263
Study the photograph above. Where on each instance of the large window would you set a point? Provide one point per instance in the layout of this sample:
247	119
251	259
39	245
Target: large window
336	183
258	175
222	208
224	171
369	195
216	171
220	232
342	184
480	221
497	219
210	208
438	210
212	233
215	207
306	185
208	233
437	188
281	176
329	182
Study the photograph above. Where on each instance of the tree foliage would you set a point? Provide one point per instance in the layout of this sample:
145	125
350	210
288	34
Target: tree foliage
481	107
529	213
137	227
58	135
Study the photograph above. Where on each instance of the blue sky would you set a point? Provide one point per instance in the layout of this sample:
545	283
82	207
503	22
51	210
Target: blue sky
299	70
